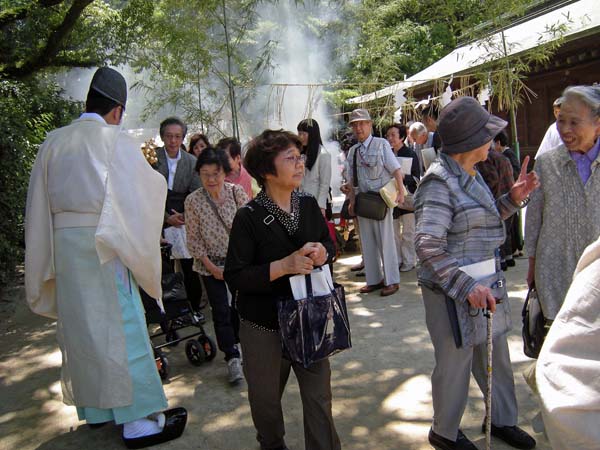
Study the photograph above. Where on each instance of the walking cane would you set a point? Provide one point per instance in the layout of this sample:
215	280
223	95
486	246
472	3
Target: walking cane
488	402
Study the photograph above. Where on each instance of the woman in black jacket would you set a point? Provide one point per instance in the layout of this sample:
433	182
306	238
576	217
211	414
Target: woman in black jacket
279	233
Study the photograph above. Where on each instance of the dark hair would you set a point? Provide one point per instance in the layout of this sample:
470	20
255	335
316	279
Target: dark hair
172	121
231	145
502	138
430	111
197	137
314	141
211	155
401	129
262	150
99	104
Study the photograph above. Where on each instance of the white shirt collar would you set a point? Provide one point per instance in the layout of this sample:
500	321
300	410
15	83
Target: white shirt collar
93	116
177	158
367	141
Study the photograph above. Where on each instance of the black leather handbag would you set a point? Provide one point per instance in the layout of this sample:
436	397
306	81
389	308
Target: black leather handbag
370	205
534	328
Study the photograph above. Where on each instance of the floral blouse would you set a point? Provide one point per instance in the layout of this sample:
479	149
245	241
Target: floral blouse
206	234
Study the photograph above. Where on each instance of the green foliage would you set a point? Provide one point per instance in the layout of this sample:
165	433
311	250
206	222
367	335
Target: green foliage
28	110
188	65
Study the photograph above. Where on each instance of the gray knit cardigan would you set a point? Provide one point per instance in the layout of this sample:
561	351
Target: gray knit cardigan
563	218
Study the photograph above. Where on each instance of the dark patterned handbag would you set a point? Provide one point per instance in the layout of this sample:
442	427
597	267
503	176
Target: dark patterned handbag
314	328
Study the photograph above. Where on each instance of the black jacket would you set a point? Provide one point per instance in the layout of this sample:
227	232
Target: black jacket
254	244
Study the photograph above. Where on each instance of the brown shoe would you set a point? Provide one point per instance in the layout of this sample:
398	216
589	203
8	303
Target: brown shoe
371	287
389	290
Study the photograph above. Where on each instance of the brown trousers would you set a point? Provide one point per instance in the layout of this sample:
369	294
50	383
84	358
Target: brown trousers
267	373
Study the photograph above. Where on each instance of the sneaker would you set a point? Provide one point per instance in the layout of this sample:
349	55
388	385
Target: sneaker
234	367
441	443
513	436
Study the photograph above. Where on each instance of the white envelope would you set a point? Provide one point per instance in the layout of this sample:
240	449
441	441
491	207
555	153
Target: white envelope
428	154
480	270
405	164
322	283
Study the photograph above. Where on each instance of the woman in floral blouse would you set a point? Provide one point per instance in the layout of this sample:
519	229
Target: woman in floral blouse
209	214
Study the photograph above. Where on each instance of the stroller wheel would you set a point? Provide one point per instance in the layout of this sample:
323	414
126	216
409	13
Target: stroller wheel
162	364
195	352
210	349
172	336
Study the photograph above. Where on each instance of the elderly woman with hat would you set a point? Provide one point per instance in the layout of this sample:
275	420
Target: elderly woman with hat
567	200
459	227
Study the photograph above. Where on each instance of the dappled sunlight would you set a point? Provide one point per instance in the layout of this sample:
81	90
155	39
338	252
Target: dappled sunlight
239	417
31	359
411	400
349	260
410	431
381	386
361	311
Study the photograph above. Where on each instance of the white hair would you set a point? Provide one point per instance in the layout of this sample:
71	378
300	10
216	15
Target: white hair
419	128
589	95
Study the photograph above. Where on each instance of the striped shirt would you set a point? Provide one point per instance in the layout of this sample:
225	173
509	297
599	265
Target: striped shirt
458	222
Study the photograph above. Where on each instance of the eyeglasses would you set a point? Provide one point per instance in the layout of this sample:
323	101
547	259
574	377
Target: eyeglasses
212	176
295	159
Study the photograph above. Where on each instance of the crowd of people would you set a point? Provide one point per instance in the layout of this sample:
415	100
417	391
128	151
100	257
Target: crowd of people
242	222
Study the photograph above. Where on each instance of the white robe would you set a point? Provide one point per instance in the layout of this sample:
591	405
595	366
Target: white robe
568	368
89	174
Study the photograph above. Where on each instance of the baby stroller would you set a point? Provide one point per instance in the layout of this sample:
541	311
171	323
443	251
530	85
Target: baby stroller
178	315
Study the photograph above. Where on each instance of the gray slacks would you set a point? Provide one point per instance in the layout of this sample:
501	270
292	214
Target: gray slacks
267	373
379	249
451	375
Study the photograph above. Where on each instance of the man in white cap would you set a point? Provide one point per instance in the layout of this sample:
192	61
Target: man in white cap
374	164
92	233
551	138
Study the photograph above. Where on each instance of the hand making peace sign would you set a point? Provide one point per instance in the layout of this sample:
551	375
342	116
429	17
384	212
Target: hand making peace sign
525	184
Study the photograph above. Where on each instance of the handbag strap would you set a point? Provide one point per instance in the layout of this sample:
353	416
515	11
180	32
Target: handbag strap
354	168
216	210
309	288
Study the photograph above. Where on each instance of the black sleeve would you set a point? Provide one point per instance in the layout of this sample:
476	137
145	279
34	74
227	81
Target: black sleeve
437	141
241	272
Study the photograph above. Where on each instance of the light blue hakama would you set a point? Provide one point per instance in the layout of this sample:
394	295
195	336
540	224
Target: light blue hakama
107	356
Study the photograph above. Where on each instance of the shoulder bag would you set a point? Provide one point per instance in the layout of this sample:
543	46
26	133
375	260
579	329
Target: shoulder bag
469	325
369	204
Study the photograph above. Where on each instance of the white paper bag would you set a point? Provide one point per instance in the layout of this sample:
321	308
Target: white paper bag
429	155
178	239
322	283
405	164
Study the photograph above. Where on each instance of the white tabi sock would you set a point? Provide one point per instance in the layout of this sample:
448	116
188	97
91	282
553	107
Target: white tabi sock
143	427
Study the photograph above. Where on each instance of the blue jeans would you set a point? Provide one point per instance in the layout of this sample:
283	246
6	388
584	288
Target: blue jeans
216	291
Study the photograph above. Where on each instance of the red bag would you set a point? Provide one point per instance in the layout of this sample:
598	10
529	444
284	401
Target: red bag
333	236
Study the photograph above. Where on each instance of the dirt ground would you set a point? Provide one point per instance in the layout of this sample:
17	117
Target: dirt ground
381	387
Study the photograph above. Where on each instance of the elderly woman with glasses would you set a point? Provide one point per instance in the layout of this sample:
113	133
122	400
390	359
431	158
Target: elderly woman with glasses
459	228
278	234
209	213
563	217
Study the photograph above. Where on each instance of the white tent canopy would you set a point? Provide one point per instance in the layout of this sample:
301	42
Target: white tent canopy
581	17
